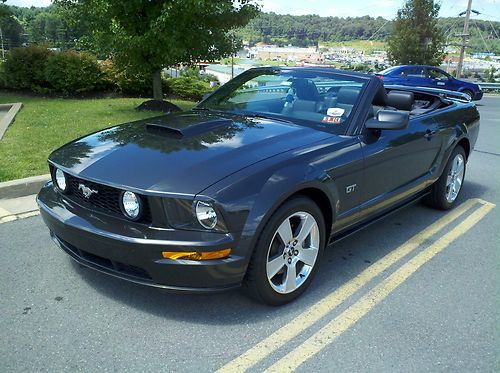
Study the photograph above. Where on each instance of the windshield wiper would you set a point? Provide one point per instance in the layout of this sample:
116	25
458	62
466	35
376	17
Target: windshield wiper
265	116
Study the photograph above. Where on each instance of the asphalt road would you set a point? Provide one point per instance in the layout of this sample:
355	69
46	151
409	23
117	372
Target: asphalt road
379	302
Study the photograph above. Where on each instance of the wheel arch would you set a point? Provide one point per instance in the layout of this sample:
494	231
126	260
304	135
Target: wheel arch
315	190
321	199
465	144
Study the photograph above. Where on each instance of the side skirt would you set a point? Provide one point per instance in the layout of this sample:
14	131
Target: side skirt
344	234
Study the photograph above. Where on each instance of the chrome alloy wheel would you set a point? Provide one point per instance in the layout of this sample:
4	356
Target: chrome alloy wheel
455	178
293	252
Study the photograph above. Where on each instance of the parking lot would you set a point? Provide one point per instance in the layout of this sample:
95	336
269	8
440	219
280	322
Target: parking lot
418	291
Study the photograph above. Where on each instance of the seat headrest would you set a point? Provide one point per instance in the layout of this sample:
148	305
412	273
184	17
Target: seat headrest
380	98
401	100
306	89
348	95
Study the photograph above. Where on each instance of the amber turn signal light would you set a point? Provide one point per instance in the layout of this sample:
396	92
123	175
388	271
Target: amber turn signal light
196	255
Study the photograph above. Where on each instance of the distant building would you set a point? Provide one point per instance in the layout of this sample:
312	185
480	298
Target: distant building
295	54
482	55
223	72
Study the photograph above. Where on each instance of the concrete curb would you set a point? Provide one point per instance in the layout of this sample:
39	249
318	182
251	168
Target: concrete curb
22	187
9	117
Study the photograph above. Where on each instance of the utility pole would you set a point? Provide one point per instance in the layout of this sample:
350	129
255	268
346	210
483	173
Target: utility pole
3	50
232	54
464	35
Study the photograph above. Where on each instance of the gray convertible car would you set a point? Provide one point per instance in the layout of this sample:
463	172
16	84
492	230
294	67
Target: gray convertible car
251	185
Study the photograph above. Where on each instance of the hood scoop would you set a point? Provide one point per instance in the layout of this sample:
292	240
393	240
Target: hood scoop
189	131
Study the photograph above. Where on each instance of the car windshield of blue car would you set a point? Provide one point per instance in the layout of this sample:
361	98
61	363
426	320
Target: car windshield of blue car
311	98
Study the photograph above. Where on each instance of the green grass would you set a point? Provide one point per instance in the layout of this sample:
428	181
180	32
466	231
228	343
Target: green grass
367	46
44	124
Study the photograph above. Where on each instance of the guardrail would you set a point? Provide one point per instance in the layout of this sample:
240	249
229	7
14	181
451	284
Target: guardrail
492	86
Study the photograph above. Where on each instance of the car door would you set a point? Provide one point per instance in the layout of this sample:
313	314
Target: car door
397	163
439	79
416	76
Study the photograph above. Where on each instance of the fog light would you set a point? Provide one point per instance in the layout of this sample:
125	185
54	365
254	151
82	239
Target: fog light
206	215
196	255
60	180
131	205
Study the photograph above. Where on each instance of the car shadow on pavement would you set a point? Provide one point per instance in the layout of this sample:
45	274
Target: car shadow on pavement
341	262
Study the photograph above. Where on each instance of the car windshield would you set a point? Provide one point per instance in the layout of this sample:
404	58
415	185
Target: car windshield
312	98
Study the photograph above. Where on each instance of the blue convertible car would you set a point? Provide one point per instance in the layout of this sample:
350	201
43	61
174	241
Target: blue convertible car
428	76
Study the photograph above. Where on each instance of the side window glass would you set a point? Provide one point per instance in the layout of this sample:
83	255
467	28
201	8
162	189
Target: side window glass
436	74
416	72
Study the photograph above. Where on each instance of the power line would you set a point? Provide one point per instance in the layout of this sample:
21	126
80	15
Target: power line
481	35
493	28
381	27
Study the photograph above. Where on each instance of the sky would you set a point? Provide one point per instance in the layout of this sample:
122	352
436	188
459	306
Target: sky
490	9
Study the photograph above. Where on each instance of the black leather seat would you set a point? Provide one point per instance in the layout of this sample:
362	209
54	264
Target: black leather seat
346	98
379	101
401	100
306	90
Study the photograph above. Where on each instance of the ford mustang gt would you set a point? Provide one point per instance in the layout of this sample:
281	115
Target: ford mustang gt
250	186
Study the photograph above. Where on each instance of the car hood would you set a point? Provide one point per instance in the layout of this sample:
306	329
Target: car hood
179	153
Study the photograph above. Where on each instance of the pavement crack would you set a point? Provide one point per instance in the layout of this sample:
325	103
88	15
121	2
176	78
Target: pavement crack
485	152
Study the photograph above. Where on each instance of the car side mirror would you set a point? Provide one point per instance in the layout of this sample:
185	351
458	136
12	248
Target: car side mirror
389	120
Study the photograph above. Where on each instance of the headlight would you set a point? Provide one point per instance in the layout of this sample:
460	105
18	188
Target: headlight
131	205
206	215
60	180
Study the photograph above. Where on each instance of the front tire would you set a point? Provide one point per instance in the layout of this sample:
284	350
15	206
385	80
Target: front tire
287	253
469	93
447	188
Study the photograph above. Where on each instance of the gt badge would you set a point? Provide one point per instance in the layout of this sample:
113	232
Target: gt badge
350	188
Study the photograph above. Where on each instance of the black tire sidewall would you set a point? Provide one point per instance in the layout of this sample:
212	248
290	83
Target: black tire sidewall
257	282
469	93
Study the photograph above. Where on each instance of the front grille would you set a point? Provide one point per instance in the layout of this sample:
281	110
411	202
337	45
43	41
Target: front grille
106	200
100	261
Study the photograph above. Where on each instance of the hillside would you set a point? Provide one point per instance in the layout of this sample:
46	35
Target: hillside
48	26
313	30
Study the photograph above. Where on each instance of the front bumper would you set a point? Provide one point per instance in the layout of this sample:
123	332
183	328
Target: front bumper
133	252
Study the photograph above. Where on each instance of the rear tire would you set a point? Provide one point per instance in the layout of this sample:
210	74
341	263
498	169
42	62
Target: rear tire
447	188
287	253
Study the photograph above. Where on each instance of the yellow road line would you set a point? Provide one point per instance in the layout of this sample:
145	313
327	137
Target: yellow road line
283	335
355	312
4	212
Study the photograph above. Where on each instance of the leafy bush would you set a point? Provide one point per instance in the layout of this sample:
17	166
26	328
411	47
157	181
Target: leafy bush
24	68
136	84
194	72
209	78
107	81
72	72
41	70
189	88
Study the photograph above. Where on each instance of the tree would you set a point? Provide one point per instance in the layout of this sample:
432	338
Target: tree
11	31
416	37
147	35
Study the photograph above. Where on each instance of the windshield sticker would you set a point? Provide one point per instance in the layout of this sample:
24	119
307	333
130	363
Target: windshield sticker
335	112
335	120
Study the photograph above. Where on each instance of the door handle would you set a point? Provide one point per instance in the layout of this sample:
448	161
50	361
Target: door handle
430	133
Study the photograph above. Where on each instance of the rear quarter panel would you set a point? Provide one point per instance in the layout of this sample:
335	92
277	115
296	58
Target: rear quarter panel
457	122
